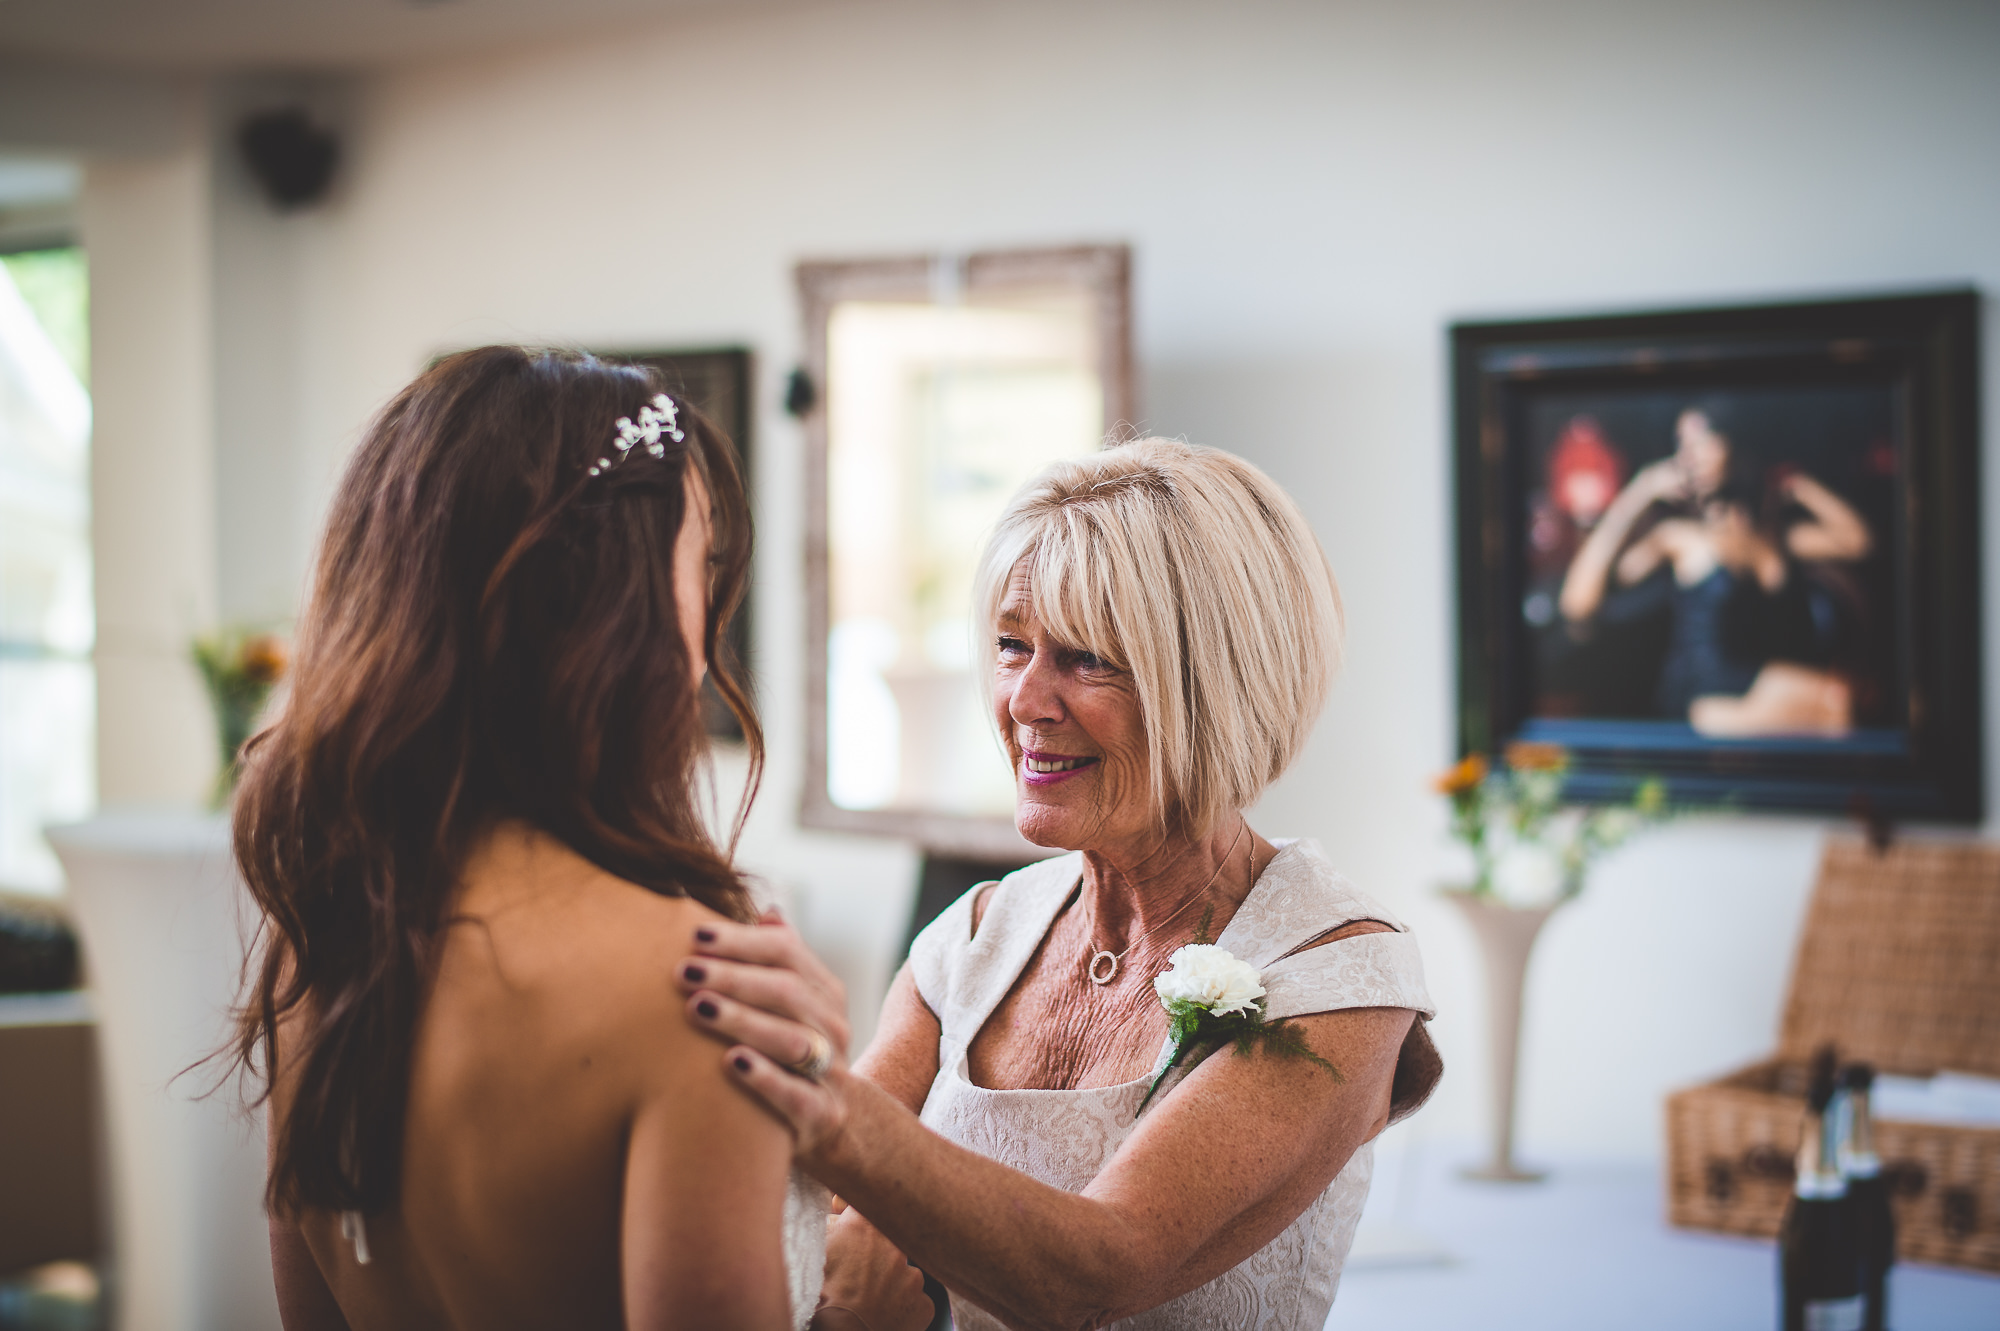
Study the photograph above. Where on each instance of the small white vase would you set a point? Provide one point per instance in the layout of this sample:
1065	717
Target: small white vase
1506	936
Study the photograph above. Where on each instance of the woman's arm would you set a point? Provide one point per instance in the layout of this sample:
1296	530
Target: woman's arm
305	1300
1216	1170
1641	558
903	1057
1584	585
305	1303
870	1286
1836	530
705	1179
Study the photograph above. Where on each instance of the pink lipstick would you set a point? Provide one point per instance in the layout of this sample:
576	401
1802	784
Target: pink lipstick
1045	769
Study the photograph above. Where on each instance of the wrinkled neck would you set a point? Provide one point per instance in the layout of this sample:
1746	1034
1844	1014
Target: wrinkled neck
1173	883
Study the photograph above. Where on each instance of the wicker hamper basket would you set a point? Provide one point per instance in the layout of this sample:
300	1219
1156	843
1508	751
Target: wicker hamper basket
1899	966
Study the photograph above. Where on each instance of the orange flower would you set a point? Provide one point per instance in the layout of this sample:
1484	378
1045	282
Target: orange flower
264	659
1466	776
1527	756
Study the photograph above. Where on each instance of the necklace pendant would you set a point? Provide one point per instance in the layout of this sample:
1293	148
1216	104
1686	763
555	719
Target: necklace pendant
1108	964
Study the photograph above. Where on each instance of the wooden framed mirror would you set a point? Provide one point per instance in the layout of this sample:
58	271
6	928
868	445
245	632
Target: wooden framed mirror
936	386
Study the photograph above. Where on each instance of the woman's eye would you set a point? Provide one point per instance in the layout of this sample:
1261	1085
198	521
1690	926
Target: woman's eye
1010	646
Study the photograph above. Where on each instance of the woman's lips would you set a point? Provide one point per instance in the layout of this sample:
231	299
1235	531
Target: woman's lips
1045	769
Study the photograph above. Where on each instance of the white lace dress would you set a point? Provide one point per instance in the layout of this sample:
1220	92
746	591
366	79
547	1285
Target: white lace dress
1065	1138
805	1245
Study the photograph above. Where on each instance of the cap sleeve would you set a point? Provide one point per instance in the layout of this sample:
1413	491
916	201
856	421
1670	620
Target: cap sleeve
1367	970
936	952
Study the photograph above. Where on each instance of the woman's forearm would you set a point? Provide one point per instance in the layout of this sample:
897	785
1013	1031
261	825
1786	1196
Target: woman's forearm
1836	530
979	1226
1583	586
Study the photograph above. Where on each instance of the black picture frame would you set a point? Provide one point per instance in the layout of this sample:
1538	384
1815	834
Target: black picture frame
1913	748
717	380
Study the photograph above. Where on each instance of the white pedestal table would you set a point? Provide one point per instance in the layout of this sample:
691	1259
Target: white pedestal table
163	921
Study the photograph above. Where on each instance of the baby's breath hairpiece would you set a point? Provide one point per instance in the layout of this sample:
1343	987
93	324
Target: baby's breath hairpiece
658	417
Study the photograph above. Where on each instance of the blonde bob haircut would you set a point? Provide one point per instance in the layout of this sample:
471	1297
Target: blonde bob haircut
1193	572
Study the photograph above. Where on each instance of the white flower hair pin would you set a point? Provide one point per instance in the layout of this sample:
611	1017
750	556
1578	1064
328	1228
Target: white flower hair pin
658	418
1215	997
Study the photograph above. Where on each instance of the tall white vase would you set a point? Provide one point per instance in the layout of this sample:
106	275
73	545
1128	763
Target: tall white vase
163	920
1506	936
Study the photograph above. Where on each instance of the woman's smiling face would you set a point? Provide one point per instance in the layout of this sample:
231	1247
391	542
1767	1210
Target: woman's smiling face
1071	725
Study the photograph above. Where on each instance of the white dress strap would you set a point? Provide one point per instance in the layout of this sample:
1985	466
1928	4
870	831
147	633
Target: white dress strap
354	1228
962	978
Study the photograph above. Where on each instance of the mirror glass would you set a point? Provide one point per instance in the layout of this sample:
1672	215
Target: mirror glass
936	413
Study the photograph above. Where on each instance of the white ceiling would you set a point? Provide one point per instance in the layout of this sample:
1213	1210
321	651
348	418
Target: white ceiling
199	35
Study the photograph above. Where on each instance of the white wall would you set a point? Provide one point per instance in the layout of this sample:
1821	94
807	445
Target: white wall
269	358
1313	191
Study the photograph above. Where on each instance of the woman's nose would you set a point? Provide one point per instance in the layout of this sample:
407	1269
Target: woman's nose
1036	699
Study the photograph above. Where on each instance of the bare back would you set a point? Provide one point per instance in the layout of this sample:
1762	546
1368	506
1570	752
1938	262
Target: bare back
573	1154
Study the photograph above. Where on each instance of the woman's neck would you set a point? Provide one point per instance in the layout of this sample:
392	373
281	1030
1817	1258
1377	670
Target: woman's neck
1172	882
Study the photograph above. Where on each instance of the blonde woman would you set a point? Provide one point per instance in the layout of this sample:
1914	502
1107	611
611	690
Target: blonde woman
1163	629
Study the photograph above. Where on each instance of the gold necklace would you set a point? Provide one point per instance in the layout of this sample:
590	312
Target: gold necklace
1110	960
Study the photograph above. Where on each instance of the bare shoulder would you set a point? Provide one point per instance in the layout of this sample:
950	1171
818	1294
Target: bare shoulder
634	942
591	954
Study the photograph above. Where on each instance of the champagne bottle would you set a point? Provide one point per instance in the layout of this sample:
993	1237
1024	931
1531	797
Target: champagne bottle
1819	1274
1873	1225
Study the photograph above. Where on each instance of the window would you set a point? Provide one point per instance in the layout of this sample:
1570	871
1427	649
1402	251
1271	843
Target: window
47	625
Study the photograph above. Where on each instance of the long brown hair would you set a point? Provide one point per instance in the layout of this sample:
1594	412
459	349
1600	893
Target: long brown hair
491	634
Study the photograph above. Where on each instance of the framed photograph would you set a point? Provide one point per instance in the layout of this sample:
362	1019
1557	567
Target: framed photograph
1737	549
717	381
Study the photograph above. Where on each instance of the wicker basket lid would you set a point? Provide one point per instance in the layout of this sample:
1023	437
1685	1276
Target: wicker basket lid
1899	963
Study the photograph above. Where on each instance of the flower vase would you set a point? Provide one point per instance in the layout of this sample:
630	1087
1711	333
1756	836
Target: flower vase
1506	936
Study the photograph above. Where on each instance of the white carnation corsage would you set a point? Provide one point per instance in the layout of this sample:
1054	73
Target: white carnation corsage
1215	997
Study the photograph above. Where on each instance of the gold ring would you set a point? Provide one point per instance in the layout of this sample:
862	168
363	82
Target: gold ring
818	1057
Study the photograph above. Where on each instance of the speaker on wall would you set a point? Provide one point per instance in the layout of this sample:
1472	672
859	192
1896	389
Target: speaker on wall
292	158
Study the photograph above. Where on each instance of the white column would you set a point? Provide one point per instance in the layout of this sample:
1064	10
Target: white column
147	228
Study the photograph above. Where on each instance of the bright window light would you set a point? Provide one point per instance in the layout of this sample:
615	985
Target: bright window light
937	413
47	622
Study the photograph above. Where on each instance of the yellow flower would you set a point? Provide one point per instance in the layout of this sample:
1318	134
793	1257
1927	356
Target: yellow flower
1527	756
1651	798
263	659
1466	776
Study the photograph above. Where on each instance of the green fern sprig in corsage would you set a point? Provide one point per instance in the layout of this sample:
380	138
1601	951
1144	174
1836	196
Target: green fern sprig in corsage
1215	998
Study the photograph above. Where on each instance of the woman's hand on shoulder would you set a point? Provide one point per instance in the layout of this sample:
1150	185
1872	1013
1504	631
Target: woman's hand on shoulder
766	969
870	1285
760	989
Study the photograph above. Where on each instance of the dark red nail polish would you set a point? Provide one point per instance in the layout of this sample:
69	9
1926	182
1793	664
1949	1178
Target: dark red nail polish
704	935
742	1063
694	973
706	1009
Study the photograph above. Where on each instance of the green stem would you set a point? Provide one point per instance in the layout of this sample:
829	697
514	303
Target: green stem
1173	1061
